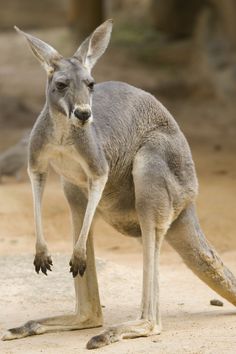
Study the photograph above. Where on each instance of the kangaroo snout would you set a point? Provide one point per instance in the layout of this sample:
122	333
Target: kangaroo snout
82	115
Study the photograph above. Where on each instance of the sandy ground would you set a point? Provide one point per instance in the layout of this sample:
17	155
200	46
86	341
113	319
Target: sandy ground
190	324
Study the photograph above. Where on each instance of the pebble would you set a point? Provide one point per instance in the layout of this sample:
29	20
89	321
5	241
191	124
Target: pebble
216	302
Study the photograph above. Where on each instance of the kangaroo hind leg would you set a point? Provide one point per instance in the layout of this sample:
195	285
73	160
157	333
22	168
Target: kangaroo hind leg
154	213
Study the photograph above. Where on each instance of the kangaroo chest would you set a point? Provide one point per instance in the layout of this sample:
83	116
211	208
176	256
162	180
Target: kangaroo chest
117	203
66	161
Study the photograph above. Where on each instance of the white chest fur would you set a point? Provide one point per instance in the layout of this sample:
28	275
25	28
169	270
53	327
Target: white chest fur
67	162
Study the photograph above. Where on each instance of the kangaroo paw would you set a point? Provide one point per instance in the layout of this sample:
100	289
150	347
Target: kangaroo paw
43	262
77	265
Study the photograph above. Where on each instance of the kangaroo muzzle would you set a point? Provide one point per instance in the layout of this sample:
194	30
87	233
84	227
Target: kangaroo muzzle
82	114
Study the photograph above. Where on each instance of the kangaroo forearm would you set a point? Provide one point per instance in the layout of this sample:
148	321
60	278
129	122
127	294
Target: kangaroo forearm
38	181
78	261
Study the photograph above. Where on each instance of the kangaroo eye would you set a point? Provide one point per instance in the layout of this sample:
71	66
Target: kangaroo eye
61	85
91	85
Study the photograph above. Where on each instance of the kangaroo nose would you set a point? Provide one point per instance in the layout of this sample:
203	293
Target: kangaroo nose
82	115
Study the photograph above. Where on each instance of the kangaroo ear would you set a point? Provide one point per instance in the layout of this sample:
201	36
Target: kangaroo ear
95	45
46	54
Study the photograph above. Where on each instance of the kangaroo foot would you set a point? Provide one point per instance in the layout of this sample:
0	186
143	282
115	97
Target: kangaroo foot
52	324
131	329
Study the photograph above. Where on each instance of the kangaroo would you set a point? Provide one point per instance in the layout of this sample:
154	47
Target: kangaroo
121	156
14	159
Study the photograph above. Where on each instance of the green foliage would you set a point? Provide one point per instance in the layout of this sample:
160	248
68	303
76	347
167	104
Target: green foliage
143	41
127	35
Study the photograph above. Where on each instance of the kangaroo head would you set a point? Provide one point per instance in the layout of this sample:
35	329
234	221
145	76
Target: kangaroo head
69	81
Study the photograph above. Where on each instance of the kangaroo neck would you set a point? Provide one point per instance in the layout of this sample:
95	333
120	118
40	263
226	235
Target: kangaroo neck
83	139
61	127
64	132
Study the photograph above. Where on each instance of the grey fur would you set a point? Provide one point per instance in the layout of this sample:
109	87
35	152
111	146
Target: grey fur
132	165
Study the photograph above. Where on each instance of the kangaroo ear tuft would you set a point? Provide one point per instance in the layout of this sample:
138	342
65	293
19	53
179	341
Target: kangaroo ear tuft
45	53
95	45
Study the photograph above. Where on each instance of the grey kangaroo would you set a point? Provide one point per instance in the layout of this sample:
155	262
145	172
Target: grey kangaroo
121	156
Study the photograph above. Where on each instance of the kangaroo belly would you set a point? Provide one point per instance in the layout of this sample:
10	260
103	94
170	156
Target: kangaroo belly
126	223
117	207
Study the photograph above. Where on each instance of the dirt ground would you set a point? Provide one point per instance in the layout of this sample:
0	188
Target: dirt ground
190	324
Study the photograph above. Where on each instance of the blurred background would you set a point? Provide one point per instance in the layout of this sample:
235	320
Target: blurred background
183	52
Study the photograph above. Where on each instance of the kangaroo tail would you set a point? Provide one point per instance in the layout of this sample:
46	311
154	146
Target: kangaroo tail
187	238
